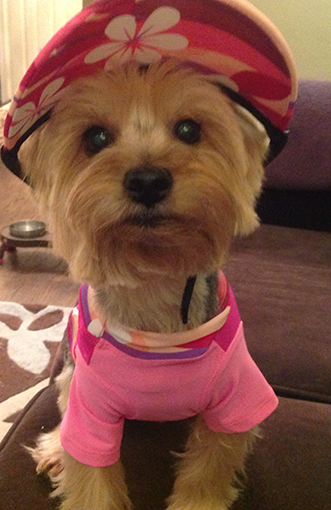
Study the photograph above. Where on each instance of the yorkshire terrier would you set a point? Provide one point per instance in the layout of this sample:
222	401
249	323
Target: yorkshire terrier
146	173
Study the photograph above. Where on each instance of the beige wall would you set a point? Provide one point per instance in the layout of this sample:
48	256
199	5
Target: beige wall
25	27
306	25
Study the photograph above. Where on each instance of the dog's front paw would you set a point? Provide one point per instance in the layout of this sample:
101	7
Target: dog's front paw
50	465
48	454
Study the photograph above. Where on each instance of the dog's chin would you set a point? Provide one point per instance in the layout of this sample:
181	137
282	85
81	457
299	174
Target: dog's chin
141	247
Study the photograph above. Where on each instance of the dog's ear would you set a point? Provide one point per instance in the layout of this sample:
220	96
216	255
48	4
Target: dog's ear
255	136
256	144
36	161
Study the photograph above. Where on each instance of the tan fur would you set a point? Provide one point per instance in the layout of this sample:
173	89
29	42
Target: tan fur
139	273
48	453
208	472
84	196
86	488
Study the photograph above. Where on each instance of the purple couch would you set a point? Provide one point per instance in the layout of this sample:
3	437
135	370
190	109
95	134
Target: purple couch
298	186
282	280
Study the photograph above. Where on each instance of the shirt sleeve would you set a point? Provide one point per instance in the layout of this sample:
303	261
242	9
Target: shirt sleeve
241	396
91	430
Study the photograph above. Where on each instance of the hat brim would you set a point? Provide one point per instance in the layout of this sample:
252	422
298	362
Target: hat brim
228	39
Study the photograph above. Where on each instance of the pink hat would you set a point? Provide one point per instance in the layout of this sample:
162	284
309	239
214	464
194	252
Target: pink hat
228	39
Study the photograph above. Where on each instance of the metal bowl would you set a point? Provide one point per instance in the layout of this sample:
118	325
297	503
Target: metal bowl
27	229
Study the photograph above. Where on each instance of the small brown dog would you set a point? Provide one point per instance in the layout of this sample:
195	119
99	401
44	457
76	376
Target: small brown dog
144	188
147	167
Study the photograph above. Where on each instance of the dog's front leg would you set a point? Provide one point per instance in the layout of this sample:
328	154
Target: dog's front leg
207	475
81	487
85	488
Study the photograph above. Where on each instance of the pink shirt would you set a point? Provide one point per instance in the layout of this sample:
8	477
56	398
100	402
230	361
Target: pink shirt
122	373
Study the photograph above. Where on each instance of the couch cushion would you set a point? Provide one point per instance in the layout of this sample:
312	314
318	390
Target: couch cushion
282	281
290	467
305	161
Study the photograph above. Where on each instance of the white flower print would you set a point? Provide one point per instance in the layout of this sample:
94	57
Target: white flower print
27	347
143	45
29	112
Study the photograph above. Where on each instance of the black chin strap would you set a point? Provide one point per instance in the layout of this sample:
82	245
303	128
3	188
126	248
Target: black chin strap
186	299
10	157
278	138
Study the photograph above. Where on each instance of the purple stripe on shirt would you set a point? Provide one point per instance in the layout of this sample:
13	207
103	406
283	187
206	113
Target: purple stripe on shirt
83	300
190	353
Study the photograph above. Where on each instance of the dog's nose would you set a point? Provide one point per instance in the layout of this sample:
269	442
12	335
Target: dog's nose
148	185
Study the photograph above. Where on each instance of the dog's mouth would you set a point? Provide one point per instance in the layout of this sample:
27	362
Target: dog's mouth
149	220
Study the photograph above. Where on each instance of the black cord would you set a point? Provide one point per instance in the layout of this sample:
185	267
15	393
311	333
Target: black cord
187	296
278	138
10	156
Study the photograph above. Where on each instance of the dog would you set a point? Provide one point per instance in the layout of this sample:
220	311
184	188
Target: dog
144	131
145	177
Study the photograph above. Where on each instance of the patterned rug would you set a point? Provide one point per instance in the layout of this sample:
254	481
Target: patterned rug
29	337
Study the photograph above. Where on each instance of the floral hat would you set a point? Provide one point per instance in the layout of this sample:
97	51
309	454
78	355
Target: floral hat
228	39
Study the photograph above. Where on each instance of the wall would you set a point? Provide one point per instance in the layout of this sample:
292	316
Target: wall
306	25
25	27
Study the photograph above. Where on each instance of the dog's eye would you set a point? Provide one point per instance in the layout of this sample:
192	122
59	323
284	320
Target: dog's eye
96	138
188	131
